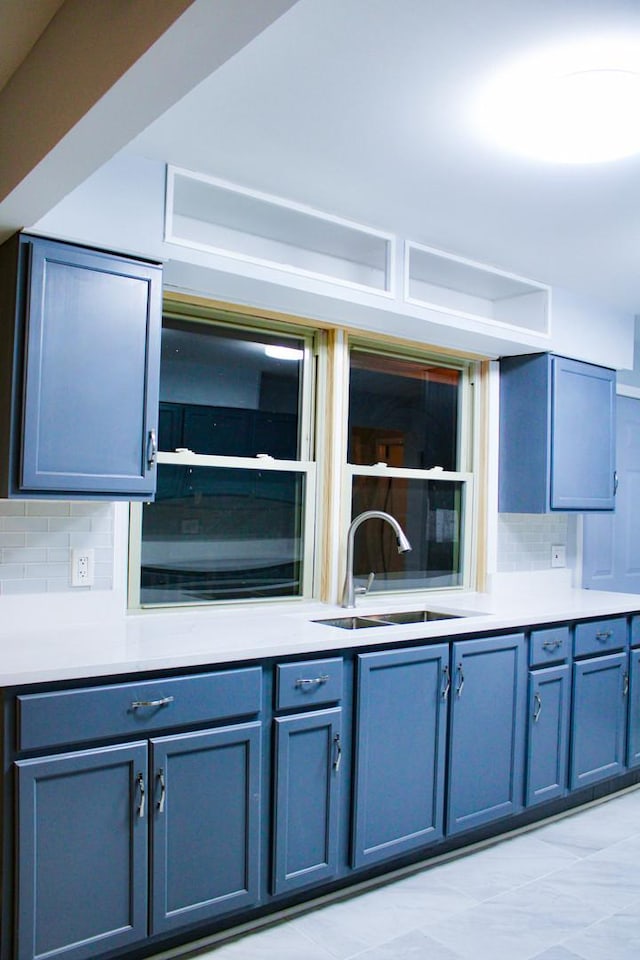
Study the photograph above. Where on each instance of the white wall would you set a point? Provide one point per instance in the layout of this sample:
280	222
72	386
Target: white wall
121	207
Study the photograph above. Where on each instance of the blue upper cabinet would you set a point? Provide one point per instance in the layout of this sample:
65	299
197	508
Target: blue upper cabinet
557	435
80	367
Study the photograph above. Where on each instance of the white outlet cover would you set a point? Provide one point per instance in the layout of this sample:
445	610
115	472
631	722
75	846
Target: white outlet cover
82	567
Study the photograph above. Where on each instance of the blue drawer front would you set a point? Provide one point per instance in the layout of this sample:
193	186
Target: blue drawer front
600	636
308	683
137	708
549	645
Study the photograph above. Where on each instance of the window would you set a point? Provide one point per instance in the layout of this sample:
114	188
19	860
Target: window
408	422
233	513
237	514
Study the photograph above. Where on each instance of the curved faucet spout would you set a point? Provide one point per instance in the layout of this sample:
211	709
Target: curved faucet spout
349	592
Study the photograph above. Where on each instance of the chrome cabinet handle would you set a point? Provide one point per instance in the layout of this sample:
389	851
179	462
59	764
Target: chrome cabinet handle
142	795
447	683
306	682
141	704
537	710
163	790
338	752
604	635
615	482
625	685
551	644
152	448
460	686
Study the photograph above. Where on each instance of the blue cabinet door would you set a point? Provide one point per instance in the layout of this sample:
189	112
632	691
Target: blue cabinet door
598	719
633	687
205	809
82	852
400	751
583	452
557	435
548	733
487	738
92	333
307	777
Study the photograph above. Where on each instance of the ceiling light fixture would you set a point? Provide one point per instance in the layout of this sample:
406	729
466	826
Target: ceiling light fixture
571	104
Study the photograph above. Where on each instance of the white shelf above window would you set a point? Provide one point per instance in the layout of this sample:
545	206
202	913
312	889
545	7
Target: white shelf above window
212	215
462	287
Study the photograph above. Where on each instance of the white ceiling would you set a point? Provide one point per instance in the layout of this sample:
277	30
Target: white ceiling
360	108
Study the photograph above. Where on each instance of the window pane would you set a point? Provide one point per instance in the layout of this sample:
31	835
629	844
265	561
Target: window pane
402	412
430	512
222	534
224	391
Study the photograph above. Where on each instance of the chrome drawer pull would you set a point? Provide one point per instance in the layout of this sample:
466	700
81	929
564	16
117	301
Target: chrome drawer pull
604	635
537	710
338	752
460	686
305	683
152	449
447	683
163	790
162	702
141	791
625	687
551	644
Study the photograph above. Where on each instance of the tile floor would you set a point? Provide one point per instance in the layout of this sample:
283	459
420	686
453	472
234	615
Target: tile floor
569	890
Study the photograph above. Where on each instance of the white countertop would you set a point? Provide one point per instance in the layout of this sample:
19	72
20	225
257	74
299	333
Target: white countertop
168	640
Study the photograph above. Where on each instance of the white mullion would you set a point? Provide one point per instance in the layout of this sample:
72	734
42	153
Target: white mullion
408	473
186	458
309	508
467	531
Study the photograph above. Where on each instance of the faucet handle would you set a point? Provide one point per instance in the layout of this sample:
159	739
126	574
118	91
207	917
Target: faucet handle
362	591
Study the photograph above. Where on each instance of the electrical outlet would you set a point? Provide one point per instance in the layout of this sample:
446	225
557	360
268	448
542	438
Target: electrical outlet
82	561
558	555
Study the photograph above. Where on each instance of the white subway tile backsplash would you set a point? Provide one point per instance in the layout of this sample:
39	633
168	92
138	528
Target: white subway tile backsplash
14	587
525	540
36	539
24	524
46	508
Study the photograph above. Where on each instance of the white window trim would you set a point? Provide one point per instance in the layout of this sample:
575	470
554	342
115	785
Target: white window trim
186	458
467	480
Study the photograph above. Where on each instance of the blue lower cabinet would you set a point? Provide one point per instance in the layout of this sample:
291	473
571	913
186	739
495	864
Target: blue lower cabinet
487	735
548	733
308	760
598	720
205	810
633	684
400	751
82	841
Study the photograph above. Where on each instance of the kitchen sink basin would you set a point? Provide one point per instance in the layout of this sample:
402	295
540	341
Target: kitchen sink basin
354	623
387	619
414	616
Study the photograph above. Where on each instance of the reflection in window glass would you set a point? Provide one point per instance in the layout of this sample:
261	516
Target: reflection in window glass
430	512
222	534
229	392
402	412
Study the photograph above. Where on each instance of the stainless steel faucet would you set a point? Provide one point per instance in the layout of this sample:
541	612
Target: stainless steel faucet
349	591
